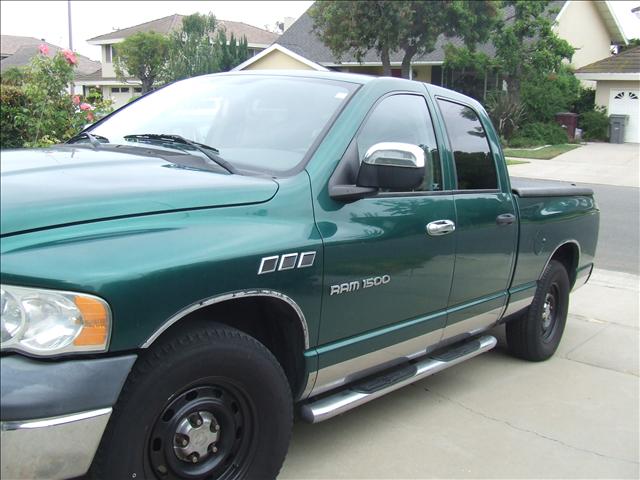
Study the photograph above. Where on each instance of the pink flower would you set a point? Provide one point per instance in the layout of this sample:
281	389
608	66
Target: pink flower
76	100
44	49
70	57
85	106
90	116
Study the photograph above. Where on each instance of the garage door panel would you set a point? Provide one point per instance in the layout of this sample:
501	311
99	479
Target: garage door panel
627	102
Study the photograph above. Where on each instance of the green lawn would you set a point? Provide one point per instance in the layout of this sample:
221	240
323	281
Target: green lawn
545	153
514	162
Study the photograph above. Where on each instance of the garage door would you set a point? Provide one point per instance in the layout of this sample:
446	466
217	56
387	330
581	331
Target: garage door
627	102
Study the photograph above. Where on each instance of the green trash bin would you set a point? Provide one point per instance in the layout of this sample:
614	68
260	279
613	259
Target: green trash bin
617	125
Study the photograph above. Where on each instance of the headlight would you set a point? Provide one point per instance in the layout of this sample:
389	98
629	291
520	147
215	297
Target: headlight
49	322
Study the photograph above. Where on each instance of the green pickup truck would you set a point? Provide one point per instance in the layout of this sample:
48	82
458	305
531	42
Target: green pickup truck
185	275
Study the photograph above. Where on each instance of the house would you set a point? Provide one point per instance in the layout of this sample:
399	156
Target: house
18	51
618	87
591	27
119	91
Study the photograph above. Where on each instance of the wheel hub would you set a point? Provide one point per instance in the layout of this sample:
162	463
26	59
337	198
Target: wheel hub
196	437
547	311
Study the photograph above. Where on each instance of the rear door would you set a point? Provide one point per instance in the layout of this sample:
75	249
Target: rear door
486	223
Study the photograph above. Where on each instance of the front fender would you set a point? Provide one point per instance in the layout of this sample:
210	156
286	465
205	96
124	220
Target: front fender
153	267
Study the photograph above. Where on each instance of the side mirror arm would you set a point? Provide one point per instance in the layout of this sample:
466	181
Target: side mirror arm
350	192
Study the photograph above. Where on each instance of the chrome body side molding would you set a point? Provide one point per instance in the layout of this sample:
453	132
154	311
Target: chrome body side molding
231	296
518	305
473	325
334	376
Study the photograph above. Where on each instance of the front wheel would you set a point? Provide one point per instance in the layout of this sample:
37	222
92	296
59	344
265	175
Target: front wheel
536	334
209	403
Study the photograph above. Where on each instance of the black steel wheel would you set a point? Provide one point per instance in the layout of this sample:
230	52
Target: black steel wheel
211	403
536	334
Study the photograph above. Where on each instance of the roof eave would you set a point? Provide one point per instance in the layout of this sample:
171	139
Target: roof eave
611	76
611	21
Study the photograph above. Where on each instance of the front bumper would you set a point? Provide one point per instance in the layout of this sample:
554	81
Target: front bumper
53	414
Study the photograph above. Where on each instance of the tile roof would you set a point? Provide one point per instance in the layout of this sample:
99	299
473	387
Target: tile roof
625	62
301	39
23	55
9	44
173	22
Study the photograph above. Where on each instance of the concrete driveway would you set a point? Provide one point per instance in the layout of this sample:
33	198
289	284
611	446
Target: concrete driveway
574	416
600	163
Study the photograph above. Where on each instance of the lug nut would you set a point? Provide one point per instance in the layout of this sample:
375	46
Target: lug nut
194	457
182	440
195	420
162	469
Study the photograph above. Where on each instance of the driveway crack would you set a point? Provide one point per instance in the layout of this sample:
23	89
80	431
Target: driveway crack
525	430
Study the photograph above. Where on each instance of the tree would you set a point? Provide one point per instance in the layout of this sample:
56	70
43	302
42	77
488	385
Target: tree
230	53
142	55
525	45
192	50
412	27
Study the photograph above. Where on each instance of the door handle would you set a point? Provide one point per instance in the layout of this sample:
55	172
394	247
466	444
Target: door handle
505	219
440	227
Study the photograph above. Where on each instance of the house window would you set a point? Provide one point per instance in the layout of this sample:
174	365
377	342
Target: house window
124	90
137	90
633	96
115	89
107	54
619	96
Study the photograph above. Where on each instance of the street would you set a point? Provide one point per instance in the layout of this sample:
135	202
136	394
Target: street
573	416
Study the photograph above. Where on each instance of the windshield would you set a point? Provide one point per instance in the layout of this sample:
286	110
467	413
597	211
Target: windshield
264	123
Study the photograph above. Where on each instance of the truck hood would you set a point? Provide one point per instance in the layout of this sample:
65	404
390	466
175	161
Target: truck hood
45	188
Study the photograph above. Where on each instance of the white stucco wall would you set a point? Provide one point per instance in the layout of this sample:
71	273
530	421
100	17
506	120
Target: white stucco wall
581	25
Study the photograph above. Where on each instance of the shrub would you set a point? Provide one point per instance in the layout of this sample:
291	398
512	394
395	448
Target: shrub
13	102
505	112
594	124
544	133
40	111
545	95
586	101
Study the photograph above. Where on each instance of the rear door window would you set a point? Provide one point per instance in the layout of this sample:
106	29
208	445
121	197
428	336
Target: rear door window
475	168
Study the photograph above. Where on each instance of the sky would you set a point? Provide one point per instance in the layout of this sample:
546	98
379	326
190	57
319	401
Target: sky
48	19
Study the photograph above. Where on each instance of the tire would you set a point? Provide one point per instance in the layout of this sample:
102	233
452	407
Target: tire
536	334
208	403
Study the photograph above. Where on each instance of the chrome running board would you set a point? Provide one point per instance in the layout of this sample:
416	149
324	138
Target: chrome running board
376	386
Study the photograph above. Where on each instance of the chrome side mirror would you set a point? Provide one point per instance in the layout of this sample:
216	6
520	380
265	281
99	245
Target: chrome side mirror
394	166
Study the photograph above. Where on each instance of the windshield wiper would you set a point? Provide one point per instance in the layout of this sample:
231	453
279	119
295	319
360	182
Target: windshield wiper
94	140
210	152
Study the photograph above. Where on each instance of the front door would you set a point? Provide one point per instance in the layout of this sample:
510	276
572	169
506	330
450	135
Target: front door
486	225
386	281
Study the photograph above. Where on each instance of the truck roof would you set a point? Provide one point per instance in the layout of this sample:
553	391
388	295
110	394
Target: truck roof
392	82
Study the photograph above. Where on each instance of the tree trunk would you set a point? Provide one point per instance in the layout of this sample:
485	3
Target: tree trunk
147	85
386	62
409	52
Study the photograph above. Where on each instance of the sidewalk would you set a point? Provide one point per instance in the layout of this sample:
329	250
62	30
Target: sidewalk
599	163
573	416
